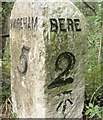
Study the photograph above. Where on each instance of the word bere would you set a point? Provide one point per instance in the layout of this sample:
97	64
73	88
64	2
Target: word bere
64	25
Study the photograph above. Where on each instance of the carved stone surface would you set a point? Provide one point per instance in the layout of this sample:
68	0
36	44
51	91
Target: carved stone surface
48	58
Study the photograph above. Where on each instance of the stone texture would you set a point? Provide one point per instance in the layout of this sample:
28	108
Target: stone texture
35	62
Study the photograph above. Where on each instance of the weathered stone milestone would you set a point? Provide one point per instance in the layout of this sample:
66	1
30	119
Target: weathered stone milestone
48	58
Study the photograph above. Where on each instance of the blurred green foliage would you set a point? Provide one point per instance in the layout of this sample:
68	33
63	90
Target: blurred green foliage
6	8
6	73
94	111
93	77
94	82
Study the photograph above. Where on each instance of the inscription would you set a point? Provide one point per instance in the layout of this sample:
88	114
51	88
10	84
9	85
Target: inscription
25	22
22	69
61	80
64	25
63	104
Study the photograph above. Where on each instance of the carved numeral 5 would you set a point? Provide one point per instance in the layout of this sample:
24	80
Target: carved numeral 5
22	69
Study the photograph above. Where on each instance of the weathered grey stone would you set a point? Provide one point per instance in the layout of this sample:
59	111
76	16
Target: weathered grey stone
48	59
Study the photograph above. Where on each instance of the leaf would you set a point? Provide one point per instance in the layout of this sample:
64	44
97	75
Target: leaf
87	112
1	9
91	110
99	115
92	114
87	107
91	105
96	108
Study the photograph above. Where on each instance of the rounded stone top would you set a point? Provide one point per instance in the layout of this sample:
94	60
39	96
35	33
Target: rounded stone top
46	9
58	8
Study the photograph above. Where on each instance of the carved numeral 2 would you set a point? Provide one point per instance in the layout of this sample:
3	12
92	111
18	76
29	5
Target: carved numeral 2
60	80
